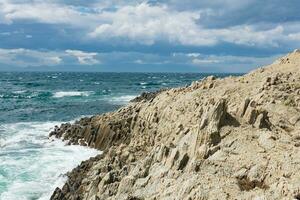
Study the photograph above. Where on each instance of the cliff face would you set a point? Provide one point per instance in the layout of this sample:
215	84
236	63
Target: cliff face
231	138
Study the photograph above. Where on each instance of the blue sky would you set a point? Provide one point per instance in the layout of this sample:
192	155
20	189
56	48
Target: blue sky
155	35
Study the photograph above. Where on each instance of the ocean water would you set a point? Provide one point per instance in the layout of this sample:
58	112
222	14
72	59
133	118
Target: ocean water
31	104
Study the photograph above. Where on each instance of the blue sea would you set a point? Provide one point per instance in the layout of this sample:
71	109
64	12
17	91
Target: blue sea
32	103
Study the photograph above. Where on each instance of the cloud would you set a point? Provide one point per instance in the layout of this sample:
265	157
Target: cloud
148	24
232	63
247	35
84	58
192	54
135	32
25	57
224	63
114	61
227	13
294	36
45	12
152	23
35	58
197	61
55	60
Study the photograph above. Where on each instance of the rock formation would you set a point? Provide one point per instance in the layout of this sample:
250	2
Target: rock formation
231	138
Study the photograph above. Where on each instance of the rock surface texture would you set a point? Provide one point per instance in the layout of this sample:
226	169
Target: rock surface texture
231	138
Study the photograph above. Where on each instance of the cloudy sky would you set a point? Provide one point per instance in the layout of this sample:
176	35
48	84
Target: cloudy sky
154	35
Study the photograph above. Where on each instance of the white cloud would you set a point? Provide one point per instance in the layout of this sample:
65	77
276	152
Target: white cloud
198	61
45	12
294	36
34	58
147	24
231	63
25	57
193	54
150	62
247	35
55	59
28	58
84	58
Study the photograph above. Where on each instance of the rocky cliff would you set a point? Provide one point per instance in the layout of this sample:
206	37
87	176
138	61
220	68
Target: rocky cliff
231	138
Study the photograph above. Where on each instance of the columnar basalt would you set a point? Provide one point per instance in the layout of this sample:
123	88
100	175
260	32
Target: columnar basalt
231	138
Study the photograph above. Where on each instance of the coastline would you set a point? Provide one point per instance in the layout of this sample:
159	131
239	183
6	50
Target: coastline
215	139
31	166
34	103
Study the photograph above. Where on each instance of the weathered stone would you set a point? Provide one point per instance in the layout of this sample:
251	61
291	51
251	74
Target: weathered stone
205	141
126	184
266	140
262	120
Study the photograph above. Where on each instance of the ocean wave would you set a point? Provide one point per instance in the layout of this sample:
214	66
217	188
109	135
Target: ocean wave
62	94
34	166
25	94
120	100
149	83
20	91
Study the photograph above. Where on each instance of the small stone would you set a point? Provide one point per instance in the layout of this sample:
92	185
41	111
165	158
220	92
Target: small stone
266	140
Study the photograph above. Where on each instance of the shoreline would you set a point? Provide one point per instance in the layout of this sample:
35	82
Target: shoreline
181	143
31	165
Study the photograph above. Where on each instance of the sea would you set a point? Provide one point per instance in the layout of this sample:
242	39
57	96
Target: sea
32	103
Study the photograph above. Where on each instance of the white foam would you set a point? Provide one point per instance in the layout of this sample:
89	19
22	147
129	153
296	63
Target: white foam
2	142
62	94
34	166
122	99
19	92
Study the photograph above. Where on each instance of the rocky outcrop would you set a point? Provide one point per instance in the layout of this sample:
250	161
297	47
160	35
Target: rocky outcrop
147	96
231	138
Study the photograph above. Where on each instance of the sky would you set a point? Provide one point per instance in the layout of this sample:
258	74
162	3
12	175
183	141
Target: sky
146	36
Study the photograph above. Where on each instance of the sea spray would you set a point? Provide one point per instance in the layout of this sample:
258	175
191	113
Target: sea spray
32	165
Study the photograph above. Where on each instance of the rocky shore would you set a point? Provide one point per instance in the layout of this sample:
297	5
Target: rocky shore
231	138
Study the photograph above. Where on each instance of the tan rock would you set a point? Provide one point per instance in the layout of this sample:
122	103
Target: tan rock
231	138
